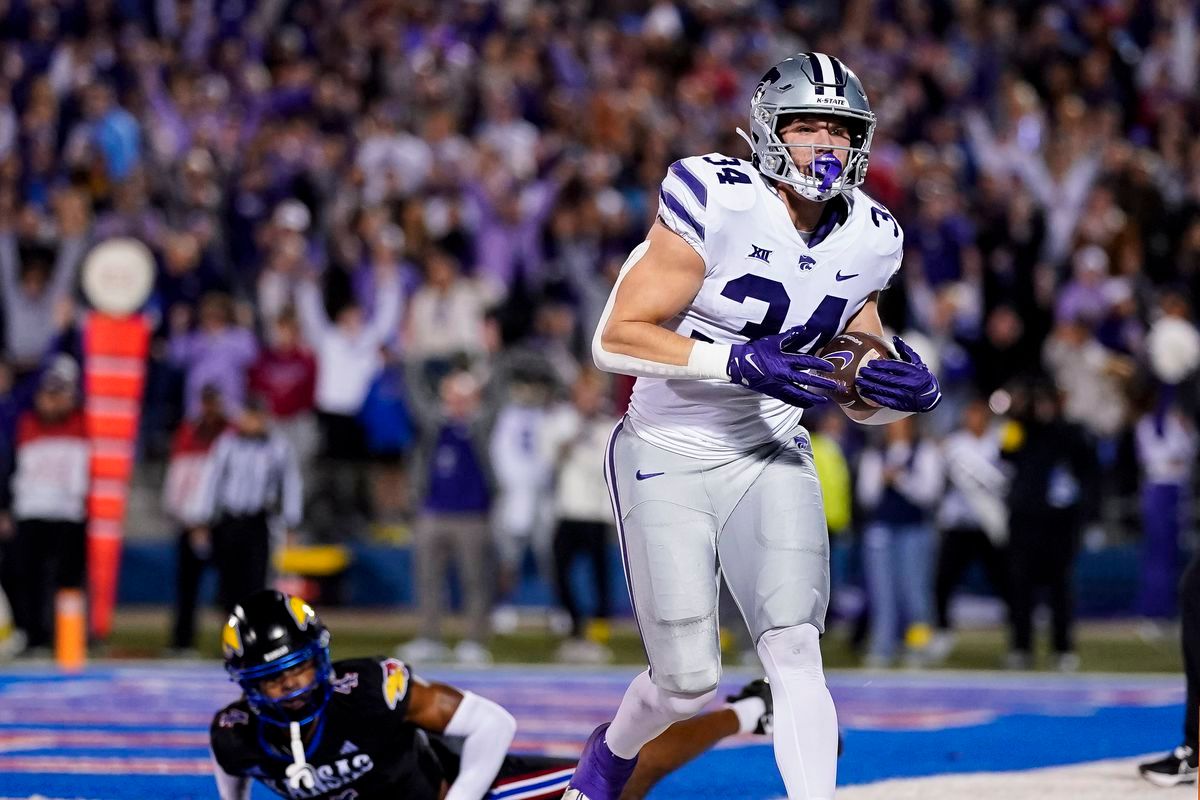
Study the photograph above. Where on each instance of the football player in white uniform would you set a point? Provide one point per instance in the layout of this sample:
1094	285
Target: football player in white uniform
749	267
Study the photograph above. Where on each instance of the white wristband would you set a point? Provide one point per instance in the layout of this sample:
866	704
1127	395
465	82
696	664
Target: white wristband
708	360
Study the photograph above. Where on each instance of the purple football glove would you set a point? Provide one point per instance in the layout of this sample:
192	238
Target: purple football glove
905	385
766	366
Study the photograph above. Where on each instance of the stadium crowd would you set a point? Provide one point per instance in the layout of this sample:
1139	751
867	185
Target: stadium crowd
394	225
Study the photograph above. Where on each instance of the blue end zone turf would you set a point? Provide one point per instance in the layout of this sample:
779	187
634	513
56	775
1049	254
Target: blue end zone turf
140	732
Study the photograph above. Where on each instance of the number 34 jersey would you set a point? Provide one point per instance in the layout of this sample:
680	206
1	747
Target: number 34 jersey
761	277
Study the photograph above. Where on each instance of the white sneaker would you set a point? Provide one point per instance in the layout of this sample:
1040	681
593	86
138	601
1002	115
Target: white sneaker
505	619
1067	662
941	646
472	654
423	651
875	661
582	651
1018	661
558	622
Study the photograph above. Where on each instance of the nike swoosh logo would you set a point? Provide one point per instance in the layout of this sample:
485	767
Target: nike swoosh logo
750	361
841	277
641	476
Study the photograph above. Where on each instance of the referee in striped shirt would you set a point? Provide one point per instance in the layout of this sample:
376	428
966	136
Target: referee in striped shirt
252	475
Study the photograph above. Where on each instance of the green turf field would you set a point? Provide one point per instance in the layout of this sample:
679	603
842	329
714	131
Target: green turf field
1109	646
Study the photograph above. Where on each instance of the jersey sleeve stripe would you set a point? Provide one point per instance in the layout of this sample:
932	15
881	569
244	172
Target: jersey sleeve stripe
694	184
677	208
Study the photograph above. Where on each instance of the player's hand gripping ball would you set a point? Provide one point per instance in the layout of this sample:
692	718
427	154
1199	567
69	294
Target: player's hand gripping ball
869	374
772	365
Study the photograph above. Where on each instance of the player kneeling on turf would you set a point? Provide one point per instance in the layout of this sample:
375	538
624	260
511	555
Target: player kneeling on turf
364	729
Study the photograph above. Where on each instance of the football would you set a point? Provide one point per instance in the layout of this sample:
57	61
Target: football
849	352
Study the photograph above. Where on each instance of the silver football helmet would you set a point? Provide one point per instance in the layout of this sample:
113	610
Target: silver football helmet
811	83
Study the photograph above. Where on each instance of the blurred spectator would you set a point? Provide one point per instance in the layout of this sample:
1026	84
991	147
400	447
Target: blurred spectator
348	353
49	500
453	493
248	149
108	140
285	375
287	262
829	457
523	466
185	474
973	516
446	315
1083	298
1090	376
1053	469
575	438
250	477
187	275
219	352
1166	449
899	483
35	279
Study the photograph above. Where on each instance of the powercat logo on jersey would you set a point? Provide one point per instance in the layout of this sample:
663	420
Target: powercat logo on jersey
316	780
761	253
806	263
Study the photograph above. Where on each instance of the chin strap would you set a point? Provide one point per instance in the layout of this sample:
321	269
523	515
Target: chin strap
299	773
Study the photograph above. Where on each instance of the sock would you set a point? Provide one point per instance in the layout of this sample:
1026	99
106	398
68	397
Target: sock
806	731
646	711
749	711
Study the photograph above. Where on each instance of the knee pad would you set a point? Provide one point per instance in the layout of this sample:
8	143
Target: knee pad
688	684
797	648
680	705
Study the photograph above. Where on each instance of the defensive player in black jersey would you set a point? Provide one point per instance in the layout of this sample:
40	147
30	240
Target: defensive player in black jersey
365	728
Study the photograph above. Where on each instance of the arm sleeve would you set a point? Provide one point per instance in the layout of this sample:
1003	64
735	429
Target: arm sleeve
230	787
488	731
884	416
707	361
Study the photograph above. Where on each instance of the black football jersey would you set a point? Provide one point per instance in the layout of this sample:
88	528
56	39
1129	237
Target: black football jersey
362	748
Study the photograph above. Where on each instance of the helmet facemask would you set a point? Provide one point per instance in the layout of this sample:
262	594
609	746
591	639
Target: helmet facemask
280	711
809	168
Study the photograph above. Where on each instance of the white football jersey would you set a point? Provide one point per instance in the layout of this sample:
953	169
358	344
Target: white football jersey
761	277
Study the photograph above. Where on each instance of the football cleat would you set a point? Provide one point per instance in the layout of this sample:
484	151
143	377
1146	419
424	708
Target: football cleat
761	689
1177	767
600	775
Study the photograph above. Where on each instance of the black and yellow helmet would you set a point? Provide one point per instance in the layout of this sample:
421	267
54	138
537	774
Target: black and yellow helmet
270	632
